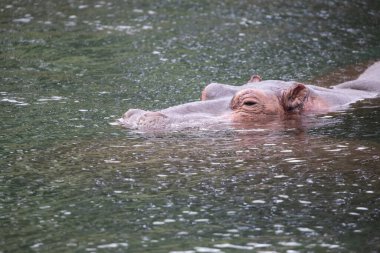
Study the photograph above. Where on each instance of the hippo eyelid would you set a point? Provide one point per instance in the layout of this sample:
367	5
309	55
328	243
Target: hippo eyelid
245	98
250	103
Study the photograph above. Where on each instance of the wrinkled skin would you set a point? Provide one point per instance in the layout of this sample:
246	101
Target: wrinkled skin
256	102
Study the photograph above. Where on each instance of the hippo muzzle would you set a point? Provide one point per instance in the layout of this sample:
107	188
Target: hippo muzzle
145	120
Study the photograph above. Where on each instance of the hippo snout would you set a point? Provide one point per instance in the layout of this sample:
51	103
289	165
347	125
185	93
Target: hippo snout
132	114
153	120
144	120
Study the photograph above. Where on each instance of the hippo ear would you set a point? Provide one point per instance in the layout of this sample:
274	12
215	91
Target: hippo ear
294	97
255	79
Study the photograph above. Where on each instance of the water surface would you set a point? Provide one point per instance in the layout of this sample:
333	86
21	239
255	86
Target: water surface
71	182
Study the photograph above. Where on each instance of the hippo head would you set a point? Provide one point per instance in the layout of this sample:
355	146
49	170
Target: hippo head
252	104
255	102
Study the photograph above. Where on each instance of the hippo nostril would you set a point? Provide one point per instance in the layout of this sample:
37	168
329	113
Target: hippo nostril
153	120
132	112
255	79
131	117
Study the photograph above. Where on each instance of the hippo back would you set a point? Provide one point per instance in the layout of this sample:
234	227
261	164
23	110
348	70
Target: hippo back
368	81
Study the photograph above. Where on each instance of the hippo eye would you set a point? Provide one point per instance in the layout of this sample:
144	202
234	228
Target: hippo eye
250	103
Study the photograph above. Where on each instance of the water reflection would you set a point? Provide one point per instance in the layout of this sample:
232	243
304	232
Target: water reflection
237	190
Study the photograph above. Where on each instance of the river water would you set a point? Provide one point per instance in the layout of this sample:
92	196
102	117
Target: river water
72	182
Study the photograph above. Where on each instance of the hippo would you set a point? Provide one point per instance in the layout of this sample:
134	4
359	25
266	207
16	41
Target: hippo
257	101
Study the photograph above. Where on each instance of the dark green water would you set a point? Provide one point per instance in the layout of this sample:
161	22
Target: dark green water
71	182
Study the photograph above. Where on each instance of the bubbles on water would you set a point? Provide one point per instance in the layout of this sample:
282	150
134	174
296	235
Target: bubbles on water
14	101
128	29
201	220
44	207
36	246
52	98
280	176
233	246
286	187
294	160
290	244
24	20
131	27
113	245
112	161
65	212
258	201
84	6
306	230
329	246
182	251
147	27
207	250
190	212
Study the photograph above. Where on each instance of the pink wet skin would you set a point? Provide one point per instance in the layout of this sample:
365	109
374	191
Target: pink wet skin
253	104
257	101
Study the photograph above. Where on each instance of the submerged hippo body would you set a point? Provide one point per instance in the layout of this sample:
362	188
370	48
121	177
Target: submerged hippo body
256	102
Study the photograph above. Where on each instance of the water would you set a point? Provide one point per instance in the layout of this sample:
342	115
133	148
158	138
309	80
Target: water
70	182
